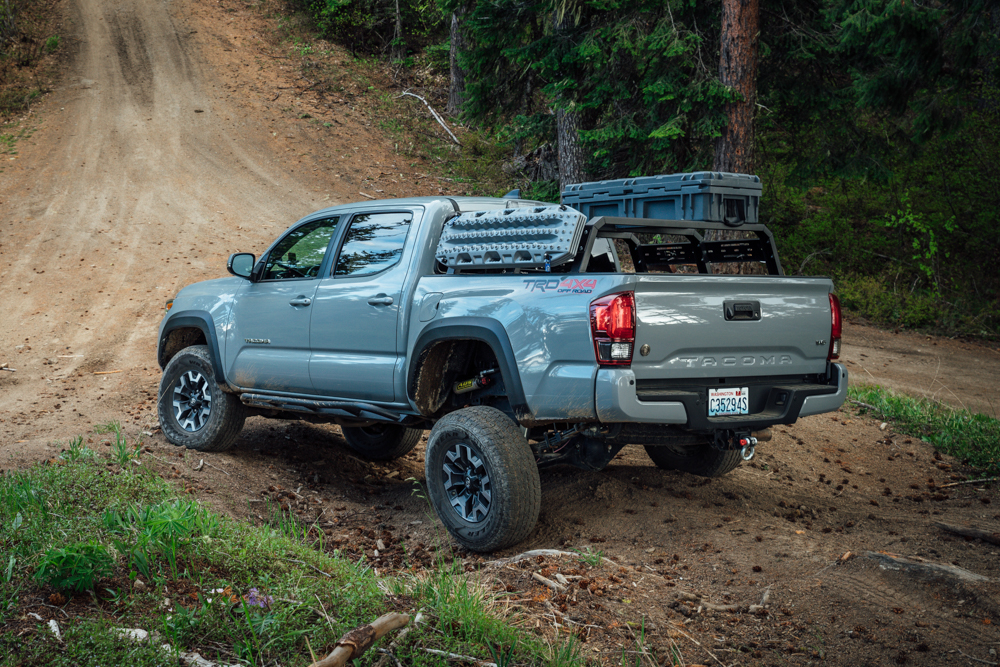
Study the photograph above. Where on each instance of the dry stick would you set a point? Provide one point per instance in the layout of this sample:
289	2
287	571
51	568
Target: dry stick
217	468
387	654
870	407
352	645
699	644
558	588
417	620
985	662
697	598
9	370
971	481
758	608
369	196
105	372
292	560
545	552
328	619
435	114
992	538
456	656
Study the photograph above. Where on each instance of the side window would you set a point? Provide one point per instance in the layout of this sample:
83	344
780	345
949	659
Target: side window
374	243
301	252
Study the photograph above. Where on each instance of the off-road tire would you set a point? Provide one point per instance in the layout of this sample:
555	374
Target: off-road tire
515	489
216	431
381	442
703	459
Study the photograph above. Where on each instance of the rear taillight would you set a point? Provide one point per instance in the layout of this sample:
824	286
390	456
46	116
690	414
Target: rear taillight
612	323
835	328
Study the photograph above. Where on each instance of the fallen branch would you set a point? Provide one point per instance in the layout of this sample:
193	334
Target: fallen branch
466	658
974	533
106	372
970	481
697	599
369	196
435	114
558	588
352	645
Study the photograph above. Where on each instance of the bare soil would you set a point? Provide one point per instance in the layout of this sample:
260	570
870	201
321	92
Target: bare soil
177	136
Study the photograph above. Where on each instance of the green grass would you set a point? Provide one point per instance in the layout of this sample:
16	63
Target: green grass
86	527
973	438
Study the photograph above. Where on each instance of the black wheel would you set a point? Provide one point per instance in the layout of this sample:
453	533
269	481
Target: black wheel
381	442
703	459
482	479
194	412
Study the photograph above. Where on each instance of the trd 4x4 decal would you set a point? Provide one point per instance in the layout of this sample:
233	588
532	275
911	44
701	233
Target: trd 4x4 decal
565	286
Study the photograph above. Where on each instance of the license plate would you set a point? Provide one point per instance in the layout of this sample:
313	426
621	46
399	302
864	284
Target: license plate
731	401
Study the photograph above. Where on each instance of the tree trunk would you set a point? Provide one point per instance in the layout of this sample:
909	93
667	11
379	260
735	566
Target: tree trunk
456	91
398	44
568	124
738	55
571	158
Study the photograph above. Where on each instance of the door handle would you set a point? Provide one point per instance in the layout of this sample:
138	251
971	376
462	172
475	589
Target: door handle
380	300
301	301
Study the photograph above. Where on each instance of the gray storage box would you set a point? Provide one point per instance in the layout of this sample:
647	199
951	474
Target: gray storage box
703	196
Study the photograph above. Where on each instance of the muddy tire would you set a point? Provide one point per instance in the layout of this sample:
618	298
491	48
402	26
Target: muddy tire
381	442
482	479
194	412
703	459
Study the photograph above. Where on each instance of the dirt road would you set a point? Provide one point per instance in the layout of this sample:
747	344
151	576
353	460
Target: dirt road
178	138
159	156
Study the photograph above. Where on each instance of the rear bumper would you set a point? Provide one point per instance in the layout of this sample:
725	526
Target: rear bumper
617	401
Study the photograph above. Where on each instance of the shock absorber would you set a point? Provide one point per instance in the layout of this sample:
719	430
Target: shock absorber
478	382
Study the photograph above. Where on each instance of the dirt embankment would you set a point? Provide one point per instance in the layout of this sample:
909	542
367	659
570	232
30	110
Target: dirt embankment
178	137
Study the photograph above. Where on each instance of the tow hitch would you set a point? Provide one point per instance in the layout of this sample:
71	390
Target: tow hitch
745	442
749	445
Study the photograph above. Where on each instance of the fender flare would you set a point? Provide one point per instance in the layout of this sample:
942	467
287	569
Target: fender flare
482	329
193	319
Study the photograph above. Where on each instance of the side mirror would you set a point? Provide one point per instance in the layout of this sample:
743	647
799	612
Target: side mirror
240	264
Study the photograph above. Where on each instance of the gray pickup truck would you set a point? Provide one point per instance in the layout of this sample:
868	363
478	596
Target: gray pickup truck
512	330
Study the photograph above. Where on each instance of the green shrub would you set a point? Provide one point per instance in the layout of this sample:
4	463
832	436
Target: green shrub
76	567
973	438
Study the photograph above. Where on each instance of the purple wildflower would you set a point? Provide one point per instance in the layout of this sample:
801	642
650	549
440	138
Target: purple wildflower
255	599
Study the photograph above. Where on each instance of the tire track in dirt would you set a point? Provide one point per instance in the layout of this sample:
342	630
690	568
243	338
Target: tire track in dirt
141	179
130	41
932	607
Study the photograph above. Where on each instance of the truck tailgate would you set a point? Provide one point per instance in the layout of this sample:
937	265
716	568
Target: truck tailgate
723	327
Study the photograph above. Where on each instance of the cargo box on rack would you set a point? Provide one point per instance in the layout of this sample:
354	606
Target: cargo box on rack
703	196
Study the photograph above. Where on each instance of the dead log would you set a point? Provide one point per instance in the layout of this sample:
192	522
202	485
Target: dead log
359	640
974	533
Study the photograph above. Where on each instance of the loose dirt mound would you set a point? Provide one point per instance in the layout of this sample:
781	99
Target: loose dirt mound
177	139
